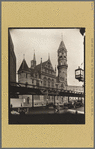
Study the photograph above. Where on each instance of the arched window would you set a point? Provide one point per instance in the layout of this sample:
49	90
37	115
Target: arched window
36	75
44	82
48	82
52	83
37	82
48	65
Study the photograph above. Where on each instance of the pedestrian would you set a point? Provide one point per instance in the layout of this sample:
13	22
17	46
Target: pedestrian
47	102
58	107
11	106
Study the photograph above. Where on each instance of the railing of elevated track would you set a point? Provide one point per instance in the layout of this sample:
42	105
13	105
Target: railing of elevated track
24	88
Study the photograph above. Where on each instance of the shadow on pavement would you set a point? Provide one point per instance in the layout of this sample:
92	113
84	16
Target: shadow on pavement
66	118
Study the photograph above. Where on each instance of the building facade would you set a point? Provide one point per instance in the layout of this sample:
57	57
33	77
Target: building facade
44	75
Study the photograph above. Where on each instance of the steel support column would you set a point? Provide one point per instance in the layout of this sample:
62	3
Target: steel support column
81	99
68	98
54	100
78	98
32	100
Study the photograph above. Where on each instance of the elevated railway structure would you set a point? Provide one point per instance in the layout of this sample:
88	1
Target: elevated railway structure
16	89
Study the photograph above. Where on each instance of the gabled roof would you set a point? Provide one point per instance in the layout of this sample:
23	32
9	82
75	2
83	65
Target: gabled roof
62	45
38	67
23	66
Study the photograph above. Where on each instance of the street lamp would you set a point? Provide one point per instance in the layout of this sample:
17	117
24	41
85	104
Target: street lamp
79	74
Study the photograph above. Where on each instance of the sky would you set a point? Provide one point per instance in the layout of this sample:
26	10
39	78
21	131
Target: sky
47	41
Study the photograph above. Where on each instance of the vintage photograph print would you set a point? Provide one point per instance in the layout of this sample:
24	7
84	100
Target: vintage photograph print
46	75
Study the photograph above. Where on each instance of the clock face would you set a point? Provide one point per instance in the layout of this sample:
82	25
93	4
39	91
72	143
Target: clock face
77	72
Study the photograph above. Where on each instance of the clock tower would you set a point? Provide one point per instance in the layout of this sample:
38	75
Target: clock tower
62	64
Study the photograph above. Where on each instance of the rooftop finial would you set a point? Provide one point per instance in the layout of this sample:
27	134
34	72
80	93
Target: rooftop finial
41	60
48	56
62	36
23	56
34	56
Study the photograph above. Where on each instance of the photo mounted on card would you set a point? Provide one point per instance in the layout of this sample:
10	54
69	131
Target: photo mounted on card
47	74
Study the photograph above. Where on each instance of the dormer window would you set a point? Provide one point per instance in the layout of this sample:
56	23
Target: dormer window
64	55
36	75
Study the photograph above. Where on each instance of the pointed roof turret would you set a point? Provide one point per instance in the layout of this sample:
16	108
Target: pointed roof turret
23	66
48	56
62	45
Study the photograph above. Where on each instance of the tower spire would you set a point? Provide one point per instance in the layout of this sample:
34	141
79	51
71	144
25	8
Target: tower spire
33	62
34	58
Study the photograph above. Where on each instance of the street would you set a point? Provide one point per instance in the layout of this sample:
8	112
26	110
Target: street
43	115
51	110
